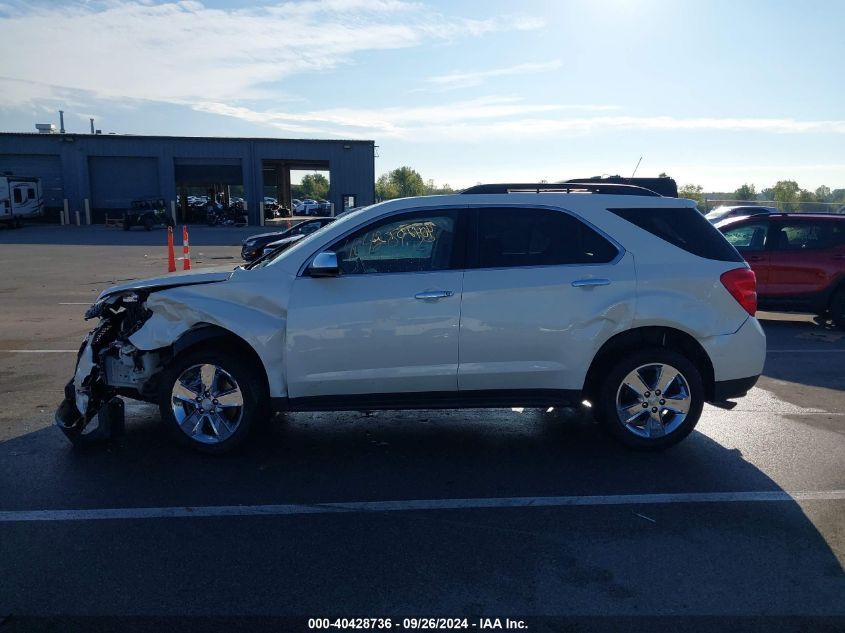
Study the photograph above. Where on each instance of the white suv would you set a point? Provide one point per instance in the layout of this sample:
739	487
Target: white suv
504	295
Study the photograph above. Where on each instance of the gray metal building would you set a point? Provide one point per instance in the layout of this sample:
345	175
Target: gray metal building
109	171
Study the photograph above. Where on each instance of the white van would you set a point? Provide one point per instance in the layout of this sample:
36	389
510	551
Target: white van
20	198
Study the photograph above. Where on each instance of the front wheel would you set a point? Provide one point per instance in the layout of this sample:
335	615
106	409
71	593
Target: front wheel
651	399
209	400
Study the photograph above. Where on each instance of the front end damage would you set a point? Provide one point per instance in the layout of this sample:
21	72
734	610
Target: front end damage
108	365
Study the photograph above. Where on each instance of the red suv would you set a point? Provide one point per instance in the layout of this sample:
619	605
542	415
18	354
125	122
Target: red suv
799	260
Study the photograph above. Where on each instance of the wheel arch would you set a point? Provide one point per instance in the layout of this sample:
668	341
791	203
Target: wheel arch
205	333
646	337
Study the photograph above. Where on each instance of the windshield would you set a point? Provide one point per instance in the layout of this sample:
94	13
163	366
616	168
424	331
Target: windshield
277	256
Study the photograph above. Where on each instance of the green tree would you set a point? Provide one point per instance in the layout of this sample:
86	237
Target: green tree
402	182
823	194
785	192
806	196
385	189
431	189
315	186
746	192
693	192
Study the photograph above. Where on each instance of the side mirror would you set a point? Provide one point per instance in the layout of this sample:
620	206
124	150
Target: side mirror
324	265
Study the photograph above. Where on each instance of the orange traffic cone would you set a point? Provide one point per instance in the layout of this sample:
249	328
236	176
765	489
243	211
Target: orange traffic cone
171	257
186	249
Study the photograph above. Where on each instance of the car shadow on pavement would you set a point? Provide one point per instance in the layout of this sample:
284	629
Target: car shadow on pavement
494	561
805	352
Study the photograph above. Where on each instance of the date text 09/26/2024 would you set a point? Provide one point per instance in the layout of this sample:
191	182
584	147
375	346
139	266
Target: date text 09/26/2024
429	624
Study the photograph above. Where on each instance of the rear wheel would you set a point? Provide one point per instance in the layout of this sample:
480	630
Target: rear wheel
837	308
210	400
651	399
148	223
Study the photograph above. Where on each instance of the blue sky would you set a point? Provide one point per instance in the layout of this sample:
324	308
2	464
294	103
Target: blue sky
715	93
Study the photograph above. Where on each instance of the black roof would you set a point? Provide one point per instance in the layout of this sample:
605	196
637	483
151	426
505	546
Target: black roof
563	187
665	186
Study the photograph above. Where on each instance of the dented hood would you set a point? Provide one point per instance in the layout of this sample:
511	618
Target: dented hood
203	276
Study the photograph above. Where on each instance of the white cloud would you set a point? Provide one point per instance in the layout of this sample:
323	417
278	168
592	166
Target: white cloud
475	78
489	118
184	51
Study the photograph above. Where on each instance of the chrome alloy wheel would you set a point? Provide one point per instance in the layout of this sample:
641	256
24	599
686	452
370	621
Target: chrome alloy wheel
653	400
207	403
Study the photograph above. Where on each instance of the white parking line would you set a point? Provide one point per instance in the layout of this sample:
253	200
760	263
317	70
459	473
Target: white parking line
38	351
806	351
182	512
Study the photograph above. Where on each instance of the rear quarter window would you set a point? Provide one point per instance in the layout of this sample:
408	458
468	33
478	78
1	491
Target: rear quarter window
685	228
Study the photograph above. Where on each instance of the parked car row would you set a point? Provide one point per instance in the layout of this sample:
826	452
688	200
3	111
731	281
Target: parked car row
798	258
255	246
724	212
312	207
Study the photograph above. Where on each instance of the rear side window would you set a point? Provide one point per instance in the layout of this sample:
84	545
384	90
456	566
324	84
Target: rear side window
537	237
837	237
18	196
685	228
798	236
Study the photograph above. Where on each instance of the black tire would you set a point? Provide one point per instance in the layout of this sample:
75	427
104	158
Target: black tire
148	224
837	308
611	388
248	379
126	225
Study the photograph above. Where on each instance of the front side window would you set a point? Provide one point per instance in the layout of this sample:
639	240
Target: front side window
516	237
31	193
748	237
415	242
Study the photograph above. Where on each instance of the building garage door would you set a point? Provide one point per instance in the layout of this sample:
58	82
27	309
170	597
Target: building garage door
46	167
118	180
207	171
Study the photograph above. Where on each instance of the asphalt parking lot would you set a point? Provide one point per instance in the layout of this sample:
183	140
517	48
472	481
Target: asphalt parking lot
481	513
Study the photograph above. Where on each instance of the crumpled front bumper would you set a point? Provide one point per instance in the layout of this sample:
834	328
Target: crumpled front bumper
75	417
107	423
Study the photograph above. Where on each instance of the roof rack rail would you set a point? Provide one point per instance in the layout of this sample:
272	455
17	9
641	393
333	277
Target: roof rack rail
562	187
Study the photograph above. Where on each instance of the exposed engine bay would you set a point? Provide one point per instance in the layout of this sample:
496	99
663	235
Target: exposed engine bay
108	365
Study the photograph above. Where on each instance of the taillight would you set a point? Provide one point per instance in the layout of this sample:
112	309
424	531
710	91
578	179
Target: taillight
742	284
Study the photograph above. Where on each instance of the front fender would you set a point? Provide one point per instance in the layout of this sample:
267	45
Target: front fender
245	309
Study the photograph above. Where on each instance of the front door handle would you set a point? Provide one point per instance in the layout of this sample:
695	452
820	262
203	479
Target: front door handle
754	258
586	283
839	257
428	295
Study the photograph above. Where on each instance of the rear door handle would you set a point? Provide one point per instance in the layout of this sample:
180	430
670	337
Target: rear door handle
433	294
586	283
754	258
839	257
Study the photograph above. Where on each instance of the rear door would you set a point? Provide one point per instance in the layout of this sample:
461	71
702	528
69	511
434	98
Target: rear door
749	238
541	287
801	253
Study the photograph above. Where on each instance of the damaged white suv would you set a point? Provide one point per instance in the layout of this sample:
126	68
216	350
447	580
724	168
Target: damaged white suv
504	295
